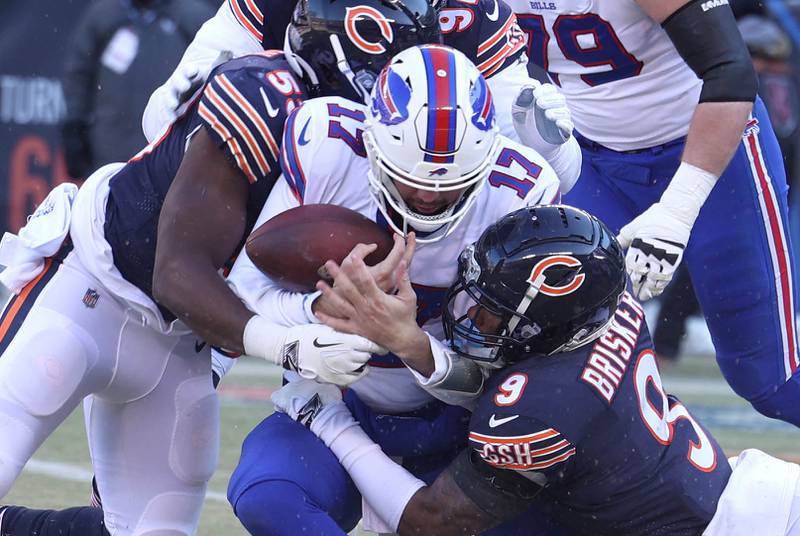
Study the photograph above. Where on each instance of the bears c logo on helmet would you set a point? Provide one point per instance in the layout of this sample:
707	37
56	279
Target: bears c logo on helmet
557	290
354	15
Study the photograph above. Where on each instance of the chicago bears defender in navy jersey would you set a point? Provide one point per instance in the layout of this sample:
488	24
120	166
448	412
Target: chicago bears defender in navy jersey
663	95
596	427
242	109
573	420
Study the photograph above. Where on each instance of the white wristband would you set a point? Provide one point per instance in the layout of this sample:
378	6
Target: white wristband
386	486
264	339
687	191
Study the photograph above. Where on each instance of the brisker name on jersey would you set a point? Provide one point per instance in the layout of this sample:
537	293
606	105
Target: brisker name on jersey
611	354
711	4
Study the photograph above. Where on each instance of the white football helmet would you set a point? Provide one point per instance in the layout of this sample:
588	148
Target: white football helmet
430	126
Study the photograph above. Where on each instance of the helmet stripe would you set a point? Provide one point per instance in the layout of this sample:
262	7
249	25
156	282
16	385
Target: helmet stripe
442	117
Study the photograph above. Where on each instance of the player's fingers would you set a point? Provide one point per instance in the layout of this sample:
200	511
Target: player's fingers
625	236
348	377
339	324
363	347
334	301
404	289
360	251
411	246
363	279
384	269
343	283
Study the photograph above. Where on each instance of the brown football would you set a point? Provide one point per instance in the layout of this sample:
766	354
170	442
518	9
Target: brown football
292	247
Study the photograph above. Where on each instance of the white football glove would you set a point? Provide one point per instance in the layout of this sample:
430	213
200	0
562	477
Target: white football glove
315	351
543	122
185	82
541	117
655	240
321	353
303	399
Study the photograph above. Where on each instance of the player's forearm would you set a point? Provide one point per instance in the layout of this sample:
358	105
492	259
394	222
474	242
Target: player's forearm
401	500
198	296
442	509
415	351
715	133
447	376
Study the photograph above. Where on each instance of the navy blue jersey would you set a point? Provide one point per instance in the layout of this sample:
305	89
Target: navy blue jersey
619	455
486	31
243	107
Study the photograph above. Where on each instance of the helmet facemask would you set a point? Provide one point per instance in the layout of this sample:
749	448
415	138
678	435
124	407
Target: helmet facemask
382	177
465	338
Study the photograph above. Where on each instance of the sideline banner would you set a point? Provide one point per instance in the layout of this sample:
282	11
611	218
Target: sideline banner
34	35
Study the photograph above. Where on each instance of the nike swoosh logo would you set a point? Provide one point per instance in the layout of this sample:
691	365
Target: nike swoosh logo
323	345
303	140
494	14
494	422
199	345
273	112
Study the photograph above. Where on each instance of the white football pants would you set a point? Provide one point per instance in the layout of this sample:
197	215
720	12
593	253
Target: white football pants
153	414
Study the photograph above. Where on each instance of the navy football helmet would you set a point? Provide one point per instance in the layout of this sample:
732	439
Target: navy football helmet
553	274
340	46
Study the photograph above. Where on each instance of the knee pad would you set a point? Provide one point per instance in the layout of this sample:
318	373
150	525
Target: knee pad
195	441
167	514
42	372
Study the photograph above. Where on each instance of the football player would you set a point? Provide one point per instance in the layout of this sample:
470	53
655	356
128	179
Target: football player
106	286
573	420
662	95
422	158
486	31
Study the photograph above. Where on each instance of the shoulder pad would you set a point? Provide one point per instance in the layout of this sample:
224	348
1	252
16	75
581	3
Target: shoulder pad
244	106
327	130
525	171
485	30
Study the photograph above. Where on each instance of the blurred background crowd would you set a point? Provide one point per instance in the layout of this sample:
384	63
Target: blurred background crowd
75	76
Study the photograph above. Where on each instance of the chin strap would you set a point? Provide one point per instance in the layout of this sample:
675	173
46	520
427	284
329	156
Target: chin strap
530	294
298	64
344	67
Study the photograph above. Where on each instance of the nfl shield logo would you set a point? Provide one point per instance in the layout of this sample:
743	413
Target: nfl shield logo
90	298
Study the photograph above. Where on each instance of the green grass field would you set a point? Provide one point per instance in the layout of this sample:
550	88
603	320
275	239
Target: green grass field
59	473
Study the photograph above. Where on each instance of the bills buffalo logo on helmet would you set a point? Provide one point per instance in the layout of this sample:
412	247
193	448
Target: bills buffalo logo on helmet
567	283
482	108
391	98
360	13
439	171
